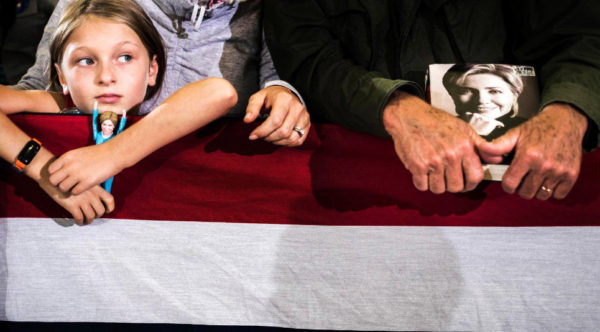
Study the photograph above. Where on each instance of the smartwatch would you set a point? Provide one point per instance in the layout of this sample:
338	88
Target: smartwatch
27	154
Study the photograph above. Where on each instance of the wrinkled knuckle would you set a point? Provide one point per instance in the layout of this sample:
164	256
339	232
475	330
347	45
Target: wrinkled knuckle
572	174
465	146
435	163
557	172
535	155
548	167
451	156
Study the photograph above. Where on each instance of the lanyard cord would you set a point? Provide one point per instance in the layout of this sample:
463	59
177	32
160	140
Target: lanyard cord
175	19
202	5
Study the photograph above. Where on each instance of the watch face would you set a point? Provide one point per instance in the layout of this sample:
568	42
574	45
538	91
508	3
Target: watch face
29	151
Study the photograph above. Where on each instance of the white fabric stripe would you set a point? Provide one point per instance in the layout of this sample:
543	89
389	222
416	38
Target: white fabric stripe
321	277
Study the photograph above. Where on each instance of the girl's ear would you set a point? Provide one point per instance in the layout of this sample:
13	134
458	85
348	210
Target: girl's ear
153	72
61	79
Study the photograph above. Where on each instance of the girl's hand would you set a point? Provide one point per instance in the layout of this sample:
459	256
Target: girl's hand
85	207
79	170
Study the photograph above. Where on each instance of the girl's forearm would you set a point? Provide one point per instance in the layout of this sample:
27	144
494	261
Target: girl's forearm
12	141
15	101
188	109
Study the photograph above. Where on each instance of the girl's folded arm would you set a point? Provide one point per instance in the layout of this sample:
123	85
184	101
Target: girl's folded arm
188	109
84	208
37	101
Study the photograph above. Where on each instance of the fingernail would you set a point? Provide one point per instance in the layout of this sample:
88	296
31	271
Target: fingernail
253	137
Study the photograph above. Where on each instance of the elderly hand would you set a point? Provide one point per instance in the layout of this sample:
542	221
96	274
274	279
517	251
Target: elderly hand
436	147
288	123
548	153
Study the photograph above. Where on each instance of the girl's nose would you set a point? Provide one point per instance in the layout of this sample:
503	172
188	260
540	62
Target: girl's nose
105	74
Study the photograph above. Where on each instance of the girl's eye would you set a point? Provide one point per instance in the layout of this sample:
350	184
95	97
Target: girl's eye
85	62
125	58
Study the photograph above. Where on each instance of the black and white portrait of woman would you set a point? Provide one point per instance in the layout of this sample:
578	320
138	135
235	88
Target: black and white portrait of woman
486	96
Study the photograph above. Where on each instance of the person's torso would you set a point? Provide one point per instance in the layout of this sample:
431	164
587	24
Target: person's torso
226	44
401	38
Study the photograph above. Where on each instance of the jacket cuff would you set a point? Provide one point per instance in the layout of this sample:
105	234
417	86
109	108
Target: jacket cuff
388	87
286	85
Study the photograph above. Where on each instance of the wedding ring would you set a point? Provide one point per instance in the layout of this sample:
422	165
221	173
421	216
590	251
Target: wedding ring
546	189
300	131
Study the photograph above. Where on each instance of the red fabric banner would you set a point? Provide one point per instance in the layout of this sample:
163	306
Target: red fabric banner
338	177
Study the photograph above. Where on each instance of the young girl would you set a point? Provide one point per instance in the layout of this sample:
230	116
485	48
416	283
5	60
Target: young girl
108	51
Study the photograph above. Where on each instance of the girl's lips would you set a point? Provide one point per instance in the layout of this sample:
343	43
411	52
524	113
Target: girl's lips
108	98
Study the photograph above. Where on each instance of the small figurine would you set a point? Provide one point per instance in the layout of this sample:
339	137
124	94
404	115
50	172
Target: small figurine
108	121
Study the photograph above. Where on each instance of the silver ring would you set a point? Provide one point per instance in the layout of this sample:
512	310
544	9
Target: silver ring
300	131
546	189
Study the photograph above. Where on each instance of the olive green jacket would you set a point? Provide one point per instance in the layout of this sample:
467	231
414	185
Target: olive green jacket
347	56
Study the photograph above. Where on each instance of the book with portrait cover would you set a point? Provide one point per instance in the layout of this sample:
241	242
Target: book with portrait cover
492	98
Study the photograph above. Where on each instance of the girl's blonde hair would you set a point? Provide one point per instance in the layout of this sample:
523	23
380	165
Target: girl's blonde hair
127	12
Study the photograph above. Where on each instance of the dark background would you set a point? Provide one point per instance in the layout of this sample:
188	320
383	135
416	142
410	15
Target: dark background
21	27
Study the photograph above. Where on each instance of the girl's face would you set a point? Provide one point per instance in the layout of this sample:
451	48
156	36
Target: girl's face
106	61
486	94
108	128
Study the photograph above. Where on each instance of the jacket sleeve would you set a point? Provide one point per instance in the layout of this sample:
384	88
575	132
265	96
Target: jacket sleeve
562	38
309	56
267	69
268	74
